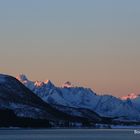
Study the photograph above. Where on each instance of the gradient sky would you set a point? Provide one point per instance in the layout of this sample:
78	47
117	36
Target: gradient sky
93	43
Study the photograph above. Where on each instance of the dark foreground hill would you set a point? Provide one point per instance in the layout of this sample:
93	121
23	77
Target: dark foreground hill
9	119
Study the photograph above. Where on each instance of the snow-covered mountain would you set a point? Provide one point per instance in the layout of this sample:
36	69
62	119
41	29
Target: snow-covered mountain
129	96
67	85
80	97
134	98
23	102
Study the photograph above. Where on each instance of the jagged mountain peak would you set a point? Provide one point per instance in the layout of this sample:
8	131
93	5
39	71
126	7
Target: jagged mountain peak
22	77
67	84
49	83
38	83
129	96
32	84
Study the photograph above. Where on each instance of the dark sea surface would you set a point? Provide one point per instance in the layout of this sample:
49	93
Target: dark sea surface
68	134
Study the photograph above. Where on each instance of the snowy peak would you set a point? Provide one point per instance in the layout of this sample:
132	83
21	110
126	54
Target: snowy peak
34	84
22	77
67	85
38	83
48	83
129	96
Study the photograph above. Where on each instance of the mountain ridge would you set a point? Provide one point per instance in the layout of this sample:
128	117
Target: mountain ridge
19	101
80	97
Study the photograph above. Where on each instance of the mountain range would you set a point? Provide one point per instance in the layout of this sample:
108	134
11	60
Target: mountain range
27	103
20	106
69	96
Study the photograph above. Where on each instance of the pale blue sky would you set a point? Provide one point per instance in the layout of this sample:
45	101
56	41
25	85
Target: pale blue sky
95	43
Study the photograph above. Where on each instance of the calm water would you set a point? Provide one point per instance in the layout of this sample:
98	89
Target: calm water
69	134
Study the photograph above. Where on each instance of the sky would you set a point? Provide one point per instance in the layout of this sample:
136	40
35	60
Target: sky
92	43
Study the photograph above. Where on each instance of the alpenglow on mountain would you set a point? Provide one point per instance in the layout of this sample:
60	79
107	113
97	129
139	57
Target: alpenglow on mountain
80	97
23	102
19	106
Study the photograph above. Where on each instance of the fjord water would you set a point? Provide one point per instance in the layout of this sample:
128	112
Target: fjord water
69	134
